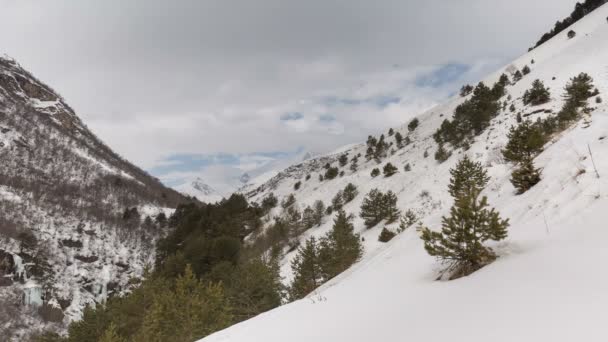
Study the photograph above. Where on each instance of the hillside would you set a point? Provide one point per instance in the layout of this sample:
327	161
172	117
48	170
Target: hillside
549	281
77	222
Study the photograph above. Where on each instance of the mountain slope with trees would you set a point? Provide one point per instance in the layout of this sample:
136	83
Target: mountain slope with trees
535	271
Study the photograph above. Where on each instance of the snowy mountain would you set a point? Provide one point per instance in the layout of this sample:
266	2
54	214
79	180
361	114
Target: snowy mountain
549	281
199	189
77	222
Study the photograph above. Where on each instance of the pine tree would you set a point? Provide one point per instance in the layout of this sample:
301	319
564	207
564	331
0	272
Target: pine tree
343	160
306	268
386	235
399	140
375	172
407	220
391	212
525	176
467	177
349	193
391	132
338	201
442	154
340	248
525	141
190	311
579	89
413	124
526	70
319	212
372	209
308	217
469	225
517	76
407	167
537	95
111	335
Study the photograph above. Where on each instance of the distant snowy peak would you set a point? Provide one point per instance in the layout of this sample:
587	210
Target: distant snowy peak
201	190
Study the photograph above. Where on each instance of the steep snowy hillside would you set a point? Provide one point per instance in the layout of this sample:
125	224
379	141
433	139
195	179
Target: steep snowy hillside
549	282
77	222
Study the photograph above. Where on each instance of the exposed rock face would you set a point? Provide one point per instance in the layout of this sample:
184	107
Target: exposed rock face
62	198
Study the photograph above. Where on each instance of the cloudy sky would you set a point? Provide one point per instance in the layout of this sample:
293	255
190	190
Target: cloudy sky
219	87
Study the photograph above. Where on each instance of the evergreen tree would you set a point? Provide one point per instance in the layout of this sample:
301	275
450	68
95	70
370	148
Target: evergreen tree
343	160
537	95
391	212
331	173
111	335
190	312
373	208
407	167
375	172
525	141
526	70
466	90
340	248
297	185
349	193
399	140
338	201
386	235
319	212
288	201
391	132
308	217
442	154
468	177
389	170
525	176
579	89
413	124
517	76
407	220
306	268
469	225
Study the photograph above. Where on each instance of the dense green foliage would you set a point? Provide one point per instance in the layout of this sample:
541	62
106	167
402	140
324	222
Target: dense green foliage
472	116
205	280
389	170
318	261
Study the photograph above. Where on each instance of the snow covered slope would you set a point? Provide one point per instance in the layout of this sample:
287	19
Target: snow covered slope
67	239
549	282
201	190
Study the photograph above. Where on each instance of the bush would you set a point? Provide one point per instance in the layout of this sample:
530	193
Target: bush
391	132
375	172
598	100
526	70
571	34
407	167
389	170
537	95
386	235
297	185
512	107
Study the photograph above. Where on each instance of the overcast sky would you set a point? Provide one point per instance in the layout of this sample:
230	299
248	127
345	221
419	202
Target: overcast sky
181	87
